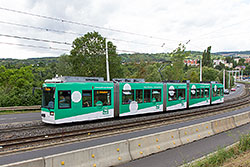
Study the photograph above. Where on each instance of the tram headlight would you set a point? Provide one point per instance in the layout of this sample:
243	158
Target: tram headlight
52	113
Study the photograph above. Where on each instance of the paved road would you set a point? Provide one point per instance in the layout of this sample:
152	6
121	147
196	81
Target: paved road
79	145
11	118
236	93
189	152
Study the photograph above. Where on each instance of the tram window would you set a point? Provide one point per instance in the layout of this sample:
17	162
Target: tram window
127	96
64	99
172	95
198	93
104	96
147	96
48	99
181	93
218	91
214	93
87	98
202	93
206	92
193	93
156	93
139	96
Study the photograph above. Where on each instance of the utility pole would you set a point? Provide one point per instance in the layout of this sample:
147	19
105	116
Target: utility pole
107	59
229	86
241	74
224	80
235	75
201	69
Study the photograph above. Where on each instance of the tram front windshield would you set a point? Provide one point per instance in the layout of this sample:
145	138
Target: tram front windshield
48	100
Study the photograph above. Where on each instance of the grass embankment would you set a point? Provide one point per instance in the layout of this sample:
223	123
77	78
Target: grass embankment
18	112
239	155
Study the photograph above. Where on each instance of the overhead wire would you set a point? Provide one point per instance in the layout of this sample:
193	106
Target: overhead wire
33	46
39	28
52	48
34	39
98	27
222	28
223	35
42	40
76	33
84	24
42	47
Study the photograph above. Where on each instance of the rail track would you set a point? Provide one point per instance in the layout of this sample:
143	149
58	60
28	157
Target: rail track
30	142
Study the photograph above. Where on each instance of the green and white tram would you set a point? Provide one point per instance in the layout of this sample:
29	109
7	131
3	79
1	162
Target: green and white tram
74	99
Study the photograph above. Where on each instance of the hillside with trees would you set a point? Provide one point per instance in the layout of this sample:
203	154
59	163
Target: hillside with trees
87	58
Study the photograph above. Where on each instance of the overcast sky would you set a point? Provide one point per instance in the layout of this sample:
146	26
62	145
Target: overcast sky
223	24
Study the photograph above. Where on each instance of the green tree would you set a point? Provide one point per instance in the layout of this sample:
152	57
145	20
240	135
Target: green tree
139	70
87	58
209	74
168	72
229	59
206	58
193	75
177	58
241	62
220	66
247	70
152	73
64	65
16	87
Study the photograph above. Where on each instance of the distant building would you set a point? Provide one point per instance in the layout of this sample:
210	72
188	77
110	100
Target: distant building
229	65
247	60
244	56
240	68
218	62
237	60
190	62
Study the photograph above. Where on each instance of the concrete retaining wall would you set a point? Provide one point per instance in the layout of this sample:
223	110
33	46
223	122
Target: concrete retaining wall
103	155
146	145
249	115
123	151
195	132
29	163
223	124
241	119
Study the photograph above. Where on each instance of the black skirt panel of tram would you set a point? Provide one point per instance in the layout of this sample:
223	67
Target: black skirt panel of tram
164	97
188	95
116	100
211	93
